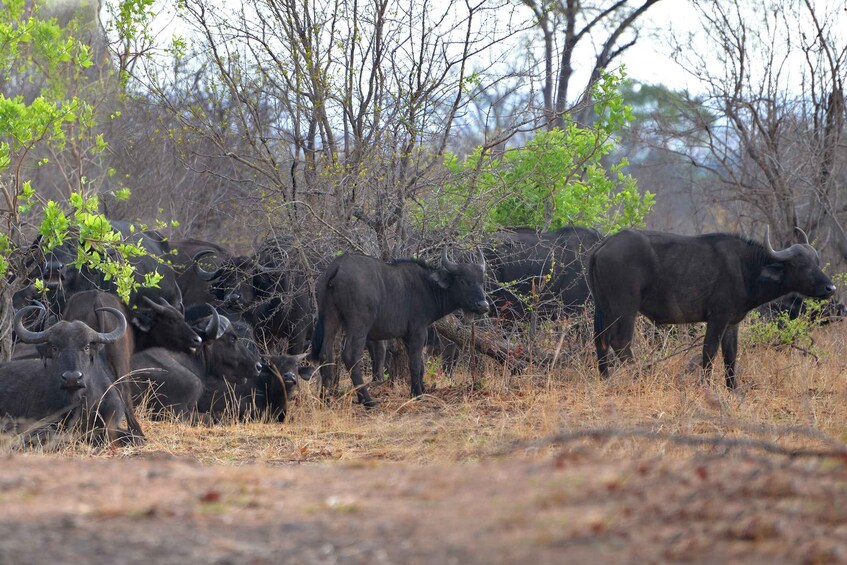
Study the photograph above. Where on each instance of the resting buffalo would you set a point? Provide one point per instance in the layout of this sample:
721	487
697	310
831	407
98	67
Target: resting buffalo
185	260
370	299
264	396
72	384
674	279
158	324
177	380
547	269
269	289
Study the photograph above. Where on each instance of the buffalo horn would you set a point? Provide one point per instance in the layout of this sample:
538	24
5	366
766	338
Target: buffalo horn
156	306
446	263
214	322
115	334
805	237
25	335
481	259
782	255
202	273
223	326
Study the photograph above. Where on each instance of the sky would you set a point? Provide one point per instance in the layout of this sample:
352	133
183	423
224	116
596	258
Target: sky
649	59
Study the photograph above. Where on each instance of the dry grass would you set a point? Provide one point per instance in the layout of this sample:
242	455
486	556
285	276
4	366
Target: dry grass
467	419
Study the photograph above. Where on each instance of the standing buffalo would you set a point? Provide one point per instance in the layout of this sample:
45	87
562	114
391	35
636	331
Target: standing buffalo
370	299
674	279
73	381
269	289
546	268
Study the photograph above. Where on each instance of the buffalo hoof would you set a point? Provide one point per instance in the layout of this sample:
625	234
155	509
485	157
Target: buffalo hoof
368	402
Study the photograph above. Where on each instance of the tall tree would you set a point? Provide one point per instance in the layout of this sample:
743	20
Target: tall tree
772	75
566	25
48	122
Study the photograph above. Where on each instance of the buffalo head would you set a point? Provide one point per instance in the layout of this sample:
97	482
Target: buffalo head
228	348
232	282
70	347
464	283
797	269
165	325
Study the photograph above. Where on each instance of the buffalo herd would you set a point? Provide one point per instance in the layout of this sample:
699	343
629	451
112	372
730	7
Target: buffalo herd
224	335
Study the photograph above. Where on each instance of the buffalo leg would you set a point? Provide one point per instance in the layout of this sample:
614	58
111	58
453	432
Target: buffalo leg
131	420
376	349
620	337
601	342
714	334
414	348
326	358
729	348
352	357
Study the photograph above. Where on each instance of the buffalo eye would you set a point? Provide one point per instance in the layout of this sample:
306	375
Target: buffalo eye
54	349
87	347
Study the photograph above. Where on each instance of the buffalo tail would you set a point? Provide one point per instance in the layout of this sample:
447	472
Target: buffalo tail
317	339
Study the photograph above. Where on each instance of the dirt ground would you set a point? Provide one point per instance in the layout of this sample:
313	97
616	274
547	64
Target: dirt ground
475	472
573	507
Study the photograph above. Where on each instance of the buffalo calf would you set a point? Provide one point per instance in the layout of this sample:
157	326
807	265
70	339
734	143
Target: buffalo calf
373	300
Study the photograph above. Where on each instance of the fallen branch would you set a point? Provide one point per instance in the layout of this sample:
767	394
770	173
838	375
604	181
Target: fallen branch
492	346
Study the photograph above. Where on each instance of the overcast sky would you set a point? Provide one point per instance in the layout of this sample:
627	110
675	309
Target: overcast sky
649	59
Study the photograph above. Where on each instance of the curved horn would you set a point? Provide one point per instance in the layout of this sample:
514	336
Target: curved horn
300	357
214	322
116	333
781	255
156	306
25	335
446	263
805	237
481	262
223	327
202	273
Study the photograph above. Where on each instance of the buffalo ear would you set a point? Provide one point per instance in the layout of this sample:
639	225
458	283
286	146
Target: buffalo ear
143	321
773	273
441	278
306	372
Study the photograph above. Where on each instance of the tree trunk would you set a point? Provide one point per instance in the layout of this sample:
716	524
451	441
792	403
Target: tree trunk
7	313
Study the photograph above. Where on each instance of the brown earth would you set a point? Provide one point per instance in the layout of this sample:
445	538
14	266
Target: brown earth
575	507
472	473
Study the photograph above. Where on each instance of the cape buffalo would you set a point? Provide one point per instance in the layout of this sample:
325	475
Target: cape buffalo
547	268
370	299
64	279
794	306
264	396
178	380
157	324
72	382
191	277
673	279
